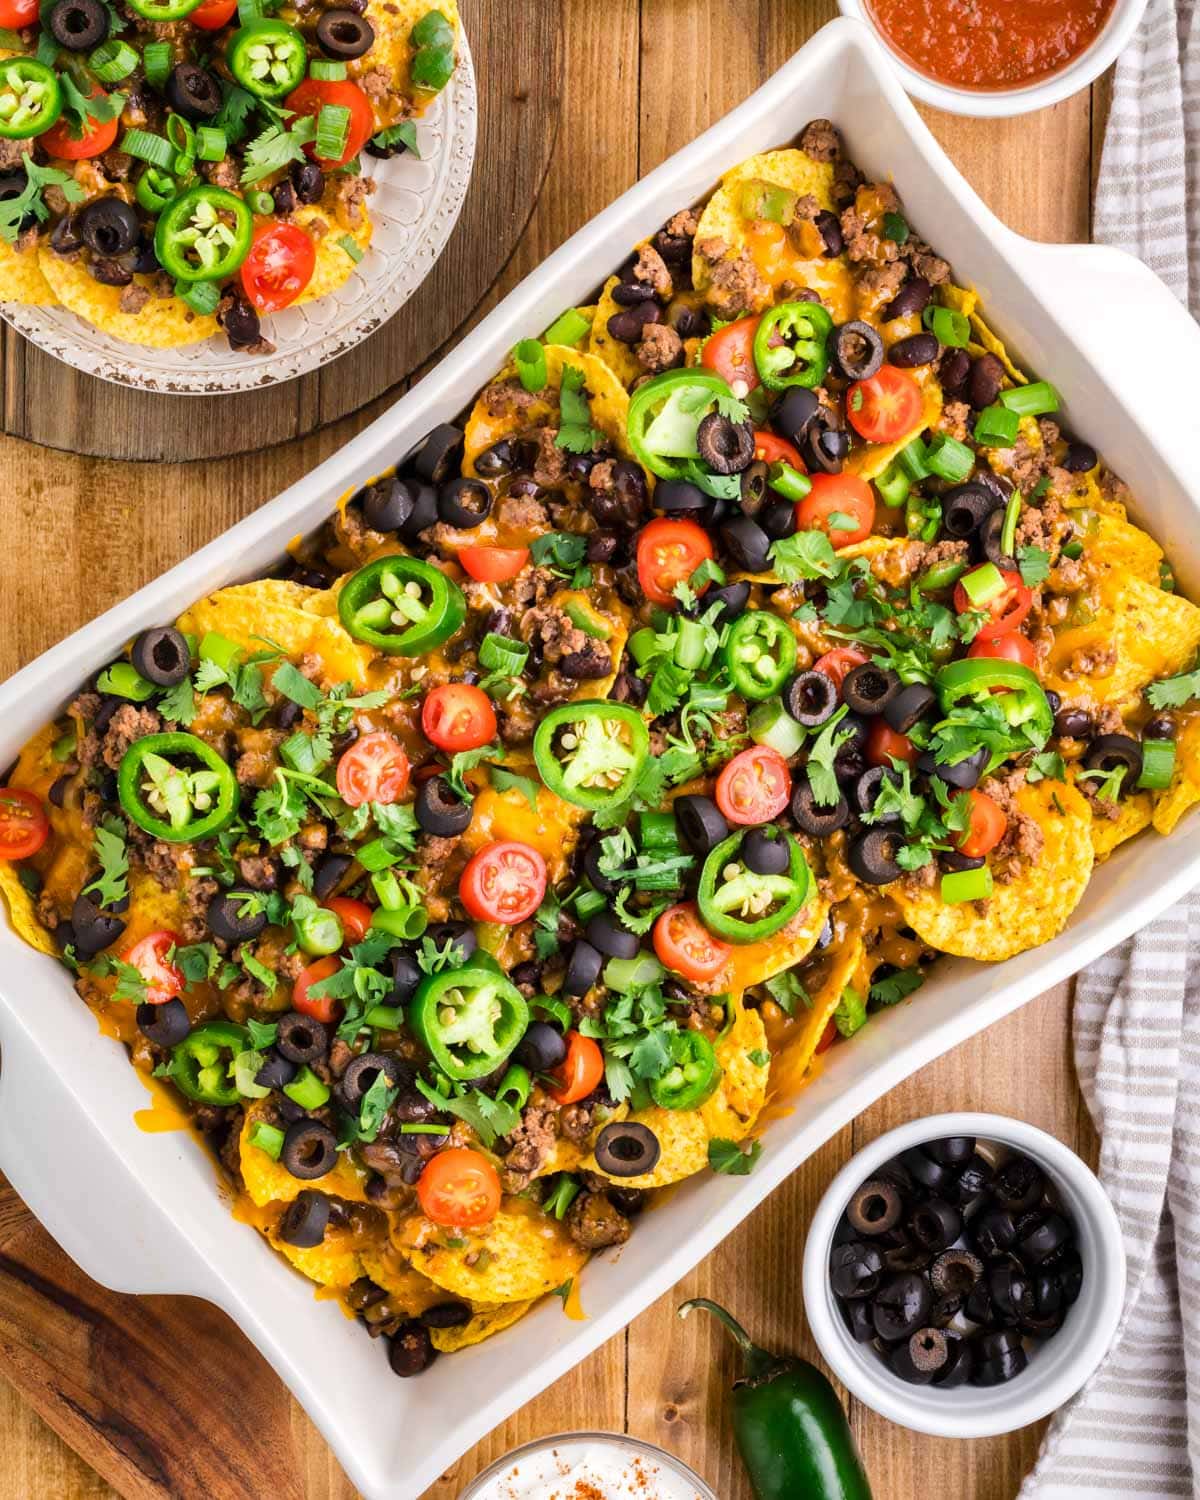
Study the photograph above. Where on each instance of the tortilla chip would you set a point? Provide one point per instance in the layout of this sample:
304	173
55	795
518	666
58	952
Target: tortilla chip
393	21
299	619
1152	633
683	1140
732	1111
482	1326
753	963
408	1291
1119	544
1135	815
552	828
607	398
163	323
334	265
869	461
269	1181
619	357
528	1254
22	912
21	277
1184	790
333	1263
1025	912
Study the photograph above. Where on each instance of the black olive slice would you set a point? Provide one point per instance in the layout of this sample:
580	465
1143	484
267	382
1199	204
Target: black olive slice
960	1361
901	1363
344	34
797	409
991	531
95	929
1069	1271
605	933
701	823
1012	1296
1112	752
236	916
955	1272
824	445
725	447
811	698
165	1025
974	1179
876	1207
747	543
411	1350
301	1039
936	1224
855	1269
966	507
866	793
583	969
763	852
963	774
461	934
541	1048
1051	1234
440	453
309	1150
951	1150
276	1072
439	810
754	488
193	92
778	519
858	350
872	856
1019	1184
424	511
387	504
78	25
161	655
305	1220
362	1072
677	496
868	689
929	1351
406	976
732	597
902	1305
627	1148
923	1169
328	875
592	856
978	1306
857	1314
992	1231
464	503
908	706
107	226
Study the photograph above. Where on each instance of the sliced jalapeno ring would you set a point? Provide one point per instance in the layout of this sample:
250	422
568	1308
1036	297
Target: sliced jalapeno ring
693	1075
30	97
203	235
268	58
176	787
401	606
202	1065
591	752
789	345
469	1020
742	907
760	654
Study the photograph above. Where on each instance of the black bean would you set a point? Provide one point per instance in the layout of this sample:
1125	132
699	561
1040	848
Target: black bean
985	381
913	297
411	1350
913	352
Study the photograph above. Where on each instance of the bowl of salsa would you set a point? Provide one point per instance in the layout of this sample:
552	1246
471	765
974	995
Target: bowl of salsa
998	57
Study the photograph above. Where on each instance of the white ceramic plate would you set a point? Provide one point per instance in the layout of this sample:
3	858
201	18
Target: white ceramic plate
141	1213
414	207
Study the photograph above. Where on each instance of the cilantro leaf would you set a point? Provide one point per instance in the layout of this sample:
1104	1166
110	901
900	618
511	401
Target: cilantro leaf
806	555
111	885
1174	692
896	987
732	1158
468	760
575	433
487	1117
275	148
1048	764
561	550
785	989
1034	563
732	409
402	134
821	756
30	200
851	1012
178	704
506	781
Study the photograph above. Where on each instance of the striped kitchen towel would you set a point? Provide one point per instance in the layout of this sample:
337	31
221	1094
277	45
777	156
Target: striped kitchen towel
1148	194
1134	1429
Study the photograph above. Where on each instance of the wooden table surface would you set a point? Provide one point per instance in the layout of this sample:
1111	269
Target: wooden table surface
629	82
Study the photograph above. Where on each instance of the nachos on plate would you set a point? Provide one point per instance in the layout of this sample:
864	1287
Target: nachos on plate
760	633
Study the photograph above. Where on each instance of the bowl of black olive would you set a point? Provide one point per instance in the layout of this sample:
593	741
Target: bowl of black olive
964	1274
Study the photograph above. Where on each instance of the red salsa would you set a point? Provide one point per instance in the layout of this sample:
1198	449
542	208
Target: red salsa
990	44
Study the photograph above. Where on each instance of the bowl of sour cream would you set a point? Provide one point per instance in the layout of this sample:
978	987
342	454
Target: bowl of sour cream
584	1465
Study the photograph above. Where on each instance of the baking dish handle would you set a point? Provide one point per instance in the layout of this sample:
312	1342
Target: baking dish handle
75	1182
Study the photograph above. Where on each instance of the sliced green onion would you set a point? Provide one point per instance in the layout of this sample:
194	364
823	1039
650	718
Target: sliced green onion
893	486
529	356
643	645
210	143
352	248
184	165
333	130
327	69
385	1017
912	460
625	974
379	854
1036	400
64	746
515	1087
124	680
997	427
1158	764
268	1138
249	10
949	459
307	1090
659	831
424	1130
404	922
895	227
180	134
691	645
555	1010
147	146
1008	532
260	202
950	327
156	63
1166	573
966	885
201	296
589	904
245	1068
155	189
569	328
771	724
983	584
500	653
1072	549
788	482
111	61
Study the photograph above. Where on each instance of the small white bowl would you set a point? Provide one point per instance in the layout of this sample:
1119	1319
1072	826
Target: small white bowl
995	103
1058	1366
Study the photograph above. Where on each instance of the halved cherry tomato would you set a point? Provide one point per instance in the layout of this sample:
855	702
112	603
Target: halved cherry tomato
769	449
885	408
149	957
459	1188
987	827
458	716
493	564
841	496
213	14
839	662
579	1073
1006	610
17	13
669	552
374	769
730	352
1012	646
97	137
24	826
755	786
884	745
684	944
828	1037
279	266
314	93
355	916
503	882
323	1008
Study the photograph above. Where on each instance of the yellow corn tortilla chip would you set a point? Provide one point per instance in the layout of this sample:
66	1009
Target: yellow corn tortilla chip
732	1111
1135	815
619	357
334	265
870	461
1025	912
1119	544
333	1263
683	1141
1085	492
528	1253
408	1291
269	1181
21	911
483	1325
393	21
790	1070
1184	790
297	618
754	963
163	323
1142	631
21	277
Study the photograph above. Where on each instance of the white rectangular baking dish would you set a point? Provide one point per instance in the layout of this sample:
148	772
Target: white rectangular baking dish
139	1212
